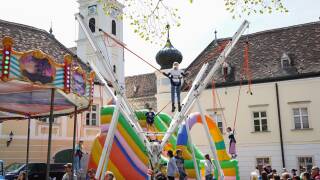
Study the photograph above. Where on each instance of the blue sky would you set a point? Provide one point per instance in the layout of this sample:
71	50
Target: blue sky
199	20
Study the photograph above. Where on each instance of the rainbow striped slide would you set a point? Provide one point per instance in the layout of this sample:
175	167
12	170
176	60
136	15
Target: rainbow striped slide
128	158
229	166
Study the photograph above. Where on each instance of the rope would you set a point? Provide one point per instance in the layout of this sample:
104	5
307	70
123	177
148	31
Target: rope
222	112
237	106
246	71
209	58
214	100
123	46
162	109
246	66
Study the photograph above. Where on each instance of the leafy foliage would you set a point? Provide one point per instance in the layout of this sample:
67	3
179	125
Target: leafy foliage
247	7
148	18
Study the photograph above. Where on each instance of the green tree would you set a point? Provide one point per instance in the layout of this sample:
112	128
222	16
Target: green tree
148	18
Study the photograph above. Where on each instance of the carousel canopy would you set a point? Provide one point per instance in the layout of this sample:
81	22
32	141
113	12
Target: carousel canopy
28	78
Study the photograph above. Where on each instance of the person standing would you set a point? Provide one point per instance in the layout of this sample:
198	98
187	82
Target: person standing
150	115
109	176
305	176
77	156
180	165
22	175
175	75
315	174
232	143
91	174
255	174
68	175
172	168
209	167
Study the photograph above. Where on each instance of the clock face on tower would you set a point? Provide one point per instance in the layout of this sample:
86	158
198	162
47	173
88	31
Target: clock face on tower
92	10
114	12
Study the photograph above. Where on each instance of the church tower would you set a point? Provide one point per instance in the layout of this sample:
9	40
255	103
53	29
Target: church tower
96	18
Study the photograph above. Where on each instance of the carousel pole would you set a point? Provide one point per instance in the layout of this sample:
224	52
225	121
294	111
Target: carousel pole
28	145
74	138
51	118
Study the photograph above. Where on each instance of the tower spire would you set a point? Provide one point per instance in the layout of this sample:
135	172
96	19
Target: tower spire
215	36
50	30
168	31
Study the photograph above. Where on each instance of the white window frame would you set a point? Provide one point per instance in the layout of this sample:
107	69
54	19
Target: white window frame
305	156
300	116
263	157
55	120
92	10
260	118
285	57
217	116
300	104
90	112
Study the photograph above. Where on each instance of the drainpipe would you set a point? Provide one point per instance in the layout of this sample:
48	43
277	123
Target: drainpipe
280	128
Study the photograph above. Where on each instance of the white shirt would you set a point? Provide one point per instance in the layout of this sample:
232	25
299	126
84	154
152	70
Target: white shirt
172	168
176	75
254	175
208	167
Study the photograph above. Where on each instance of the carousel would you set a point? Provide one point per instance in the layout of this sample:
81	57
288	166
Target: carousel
33	85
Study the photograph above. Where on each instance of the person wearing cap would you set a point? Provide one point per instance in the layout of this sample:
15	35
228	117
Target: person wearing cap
108	176
315	175
175	75
68	175
293	172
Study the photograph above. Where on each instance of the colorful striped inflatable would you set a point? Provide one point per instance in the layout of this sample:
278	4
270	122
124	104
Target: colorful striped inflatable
128	158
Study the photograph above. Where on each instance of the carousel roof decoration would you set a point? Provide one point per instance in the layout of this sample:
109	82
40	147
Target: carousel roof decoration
168	54
27	78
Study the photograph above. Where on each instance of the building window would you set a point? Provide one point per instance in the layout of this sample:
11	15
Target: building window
300	116
46	120
92	116
305	162
260	121
92	10
114	27
92	24
285	61
226	69
218	118
262	161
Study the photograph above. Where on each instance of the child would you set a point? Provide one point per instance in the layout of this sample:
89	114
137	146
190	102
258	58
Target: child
232	147
175	75
172	168
209	167
150	118
180	164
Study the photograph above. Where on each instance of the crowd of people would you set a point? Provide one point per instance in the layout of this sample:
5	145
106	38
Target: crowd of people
267	173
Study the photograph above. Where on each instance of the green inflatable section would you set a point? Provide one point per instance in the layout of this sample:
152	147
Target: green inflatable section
162	121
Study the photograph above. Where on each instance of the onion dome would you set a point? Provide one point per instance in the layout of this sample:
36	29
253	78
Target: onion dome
168	54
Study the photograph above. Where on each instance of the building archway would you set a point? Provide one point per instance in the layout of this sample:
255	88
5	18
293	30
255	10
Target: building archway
63	156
